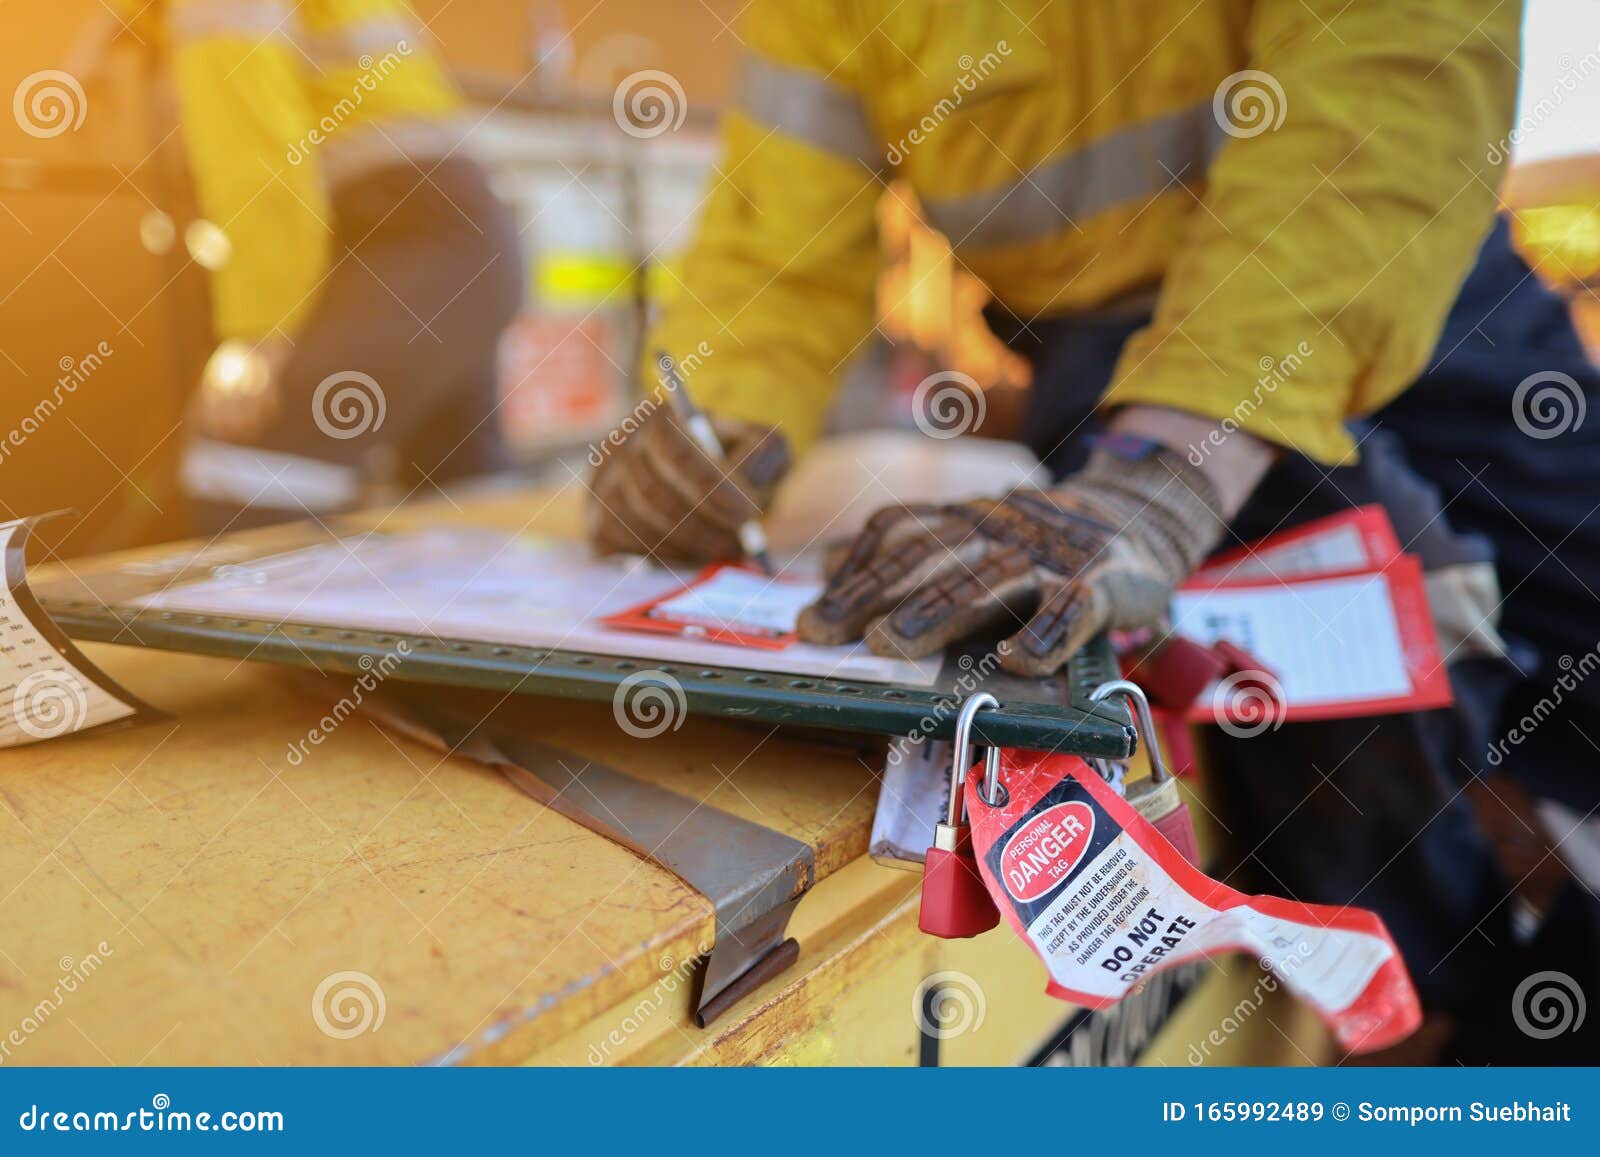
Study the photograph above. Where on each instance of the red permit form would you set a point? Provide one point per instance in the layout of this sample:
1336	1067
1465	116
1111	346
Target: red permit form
1106	902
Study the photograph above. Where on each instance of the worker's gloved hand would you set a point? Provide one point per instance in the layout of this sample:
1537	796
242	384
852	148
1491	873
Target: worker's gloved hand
1103	549
655	491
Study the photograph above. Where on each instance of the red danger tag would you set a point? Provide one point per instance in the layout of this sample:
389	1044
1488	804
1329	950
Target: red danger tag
1106	902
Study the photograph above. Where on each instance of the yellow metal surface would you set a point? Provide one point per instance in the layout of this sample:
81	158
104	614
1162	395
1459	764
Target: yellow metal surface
854	999
227	885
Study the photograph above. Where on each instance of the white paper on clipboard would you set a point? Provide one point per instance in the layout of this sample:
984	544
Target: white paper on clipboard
496	587
549	593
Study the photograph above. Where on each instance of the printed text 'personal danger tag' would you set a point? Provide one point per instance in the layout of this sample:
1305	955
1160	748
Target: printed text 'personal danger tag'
1106	902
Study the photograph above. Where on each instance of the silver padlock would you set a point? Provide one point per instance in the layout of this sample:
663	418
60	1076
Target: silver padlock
1156	798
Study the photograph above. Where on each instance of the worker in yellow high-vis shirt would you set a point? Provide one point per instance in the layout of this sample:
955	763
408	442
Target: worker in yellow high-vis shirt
1245	177
1249	180
365	269
1223	232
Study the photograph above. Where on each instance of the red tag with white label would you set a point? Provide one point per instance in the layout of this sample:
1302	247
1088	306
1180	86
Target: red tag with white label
1334	616
726	604
1106	902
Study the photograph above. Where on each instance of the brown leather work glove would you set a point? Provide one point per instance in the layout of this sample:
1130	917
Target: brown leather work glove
655	491
1104	549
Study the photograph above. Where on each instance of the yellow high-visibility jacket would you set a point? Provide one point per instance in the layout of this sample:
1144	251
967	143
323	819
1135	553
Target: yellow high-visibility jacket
1278	175
280	101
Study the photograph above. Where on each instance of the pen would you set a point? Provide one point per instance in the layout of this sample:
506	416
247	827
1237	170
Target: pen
752	539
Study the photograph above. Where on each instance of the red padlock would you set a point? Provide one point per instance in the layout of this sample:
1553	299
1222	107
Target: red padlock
1157	798
955	902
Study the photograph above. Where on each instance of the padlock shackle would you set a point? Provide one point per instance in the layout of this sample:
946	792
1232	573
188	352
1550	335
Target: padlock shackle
1144	722
982	701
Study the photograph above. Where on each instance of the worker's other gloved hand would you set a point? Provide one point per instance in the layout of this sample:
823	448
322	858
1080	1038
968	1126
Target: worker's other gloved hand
1104	549
655	491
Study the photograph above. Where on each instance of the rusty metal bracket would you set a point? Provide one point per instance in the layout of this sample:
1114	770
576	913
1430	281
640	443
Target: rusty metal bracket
753	876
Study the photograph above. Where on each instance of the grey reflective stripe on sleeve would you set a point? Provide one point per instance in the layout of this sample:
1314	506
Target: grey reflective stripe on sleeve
1130	165
808	107
249	19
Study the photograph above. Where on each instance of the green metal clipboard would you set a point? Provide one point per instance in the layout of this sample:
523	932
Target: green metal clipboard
94	601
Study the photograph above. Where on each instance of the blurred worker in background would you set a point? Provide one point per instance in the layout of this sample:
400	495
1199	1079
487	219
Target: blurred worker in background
366	269
1221	233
